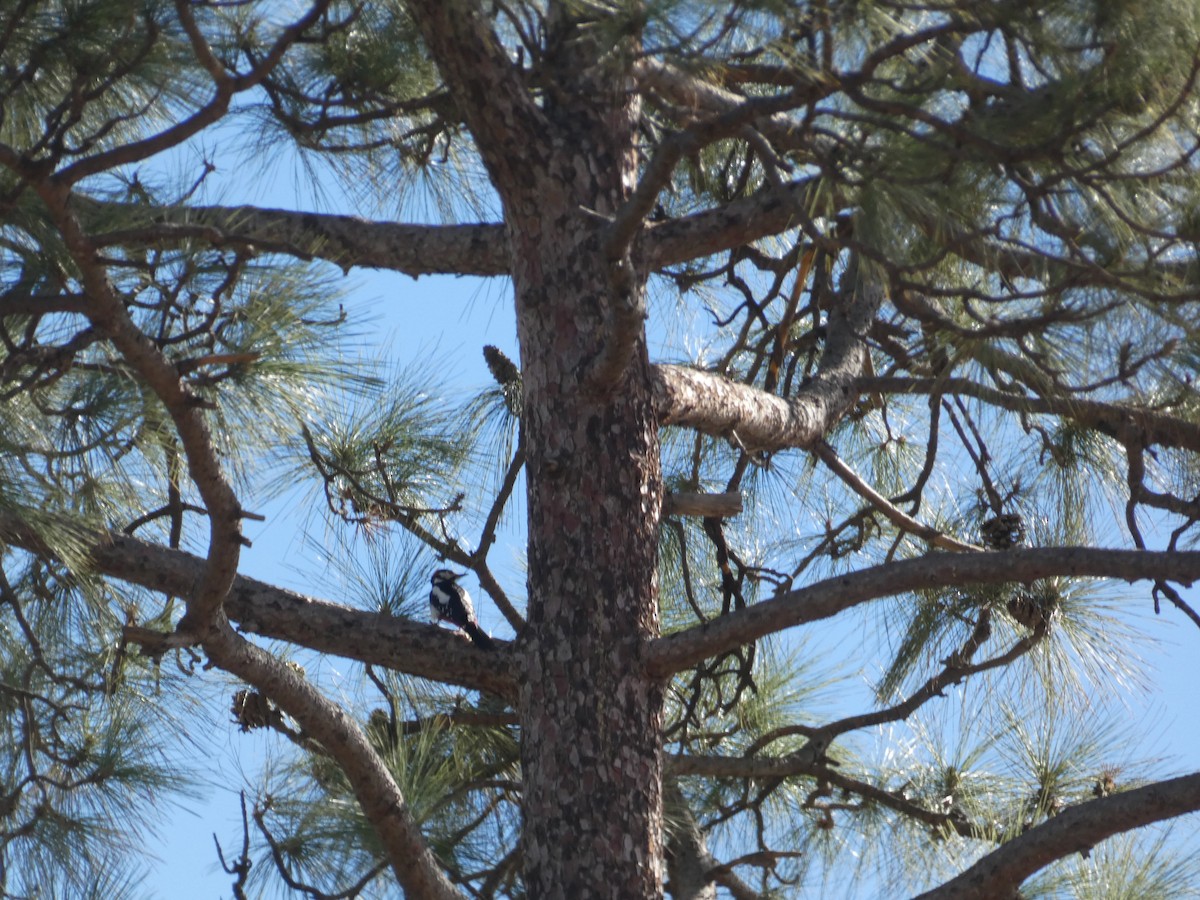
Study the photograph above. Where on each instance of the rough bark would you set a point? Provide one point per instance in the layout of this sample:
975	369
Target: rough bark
591	718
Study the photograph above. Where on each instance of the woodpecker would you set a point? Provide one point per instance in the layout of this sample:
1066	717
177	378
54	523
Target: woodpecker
450	602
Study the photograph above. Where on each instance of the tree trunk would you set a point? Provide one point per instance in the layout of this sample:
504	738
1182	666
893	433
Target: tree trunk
591	717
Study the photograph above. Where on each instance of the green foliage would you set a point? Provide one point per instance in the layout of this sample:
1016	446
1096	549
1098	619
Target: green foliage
394	458
458	775
80	76
85	745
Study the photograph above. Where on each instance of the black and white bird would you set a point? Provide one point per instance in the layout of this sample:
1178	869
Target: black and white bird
450	602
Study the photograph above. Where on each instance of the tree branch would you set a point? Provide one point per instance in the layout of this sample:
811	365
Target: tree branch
1131	425
709	506
215	109
488	89
768	114
758	420
827	598
688	859
715	405
1074	830
740	222
107	312
722	114
346	241
380	798
479	249
897	516
273	612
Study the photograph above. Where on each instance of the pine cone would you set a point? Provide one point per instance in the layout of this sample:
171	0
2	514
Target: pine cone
1003	532
1030	609
507	375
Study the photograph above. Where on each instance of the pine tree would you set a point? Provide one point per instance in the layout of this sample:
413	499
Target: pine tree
930	277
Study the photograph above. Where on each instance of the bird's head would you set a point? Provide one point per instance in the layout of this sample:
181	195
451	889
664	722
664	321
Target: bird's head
445	575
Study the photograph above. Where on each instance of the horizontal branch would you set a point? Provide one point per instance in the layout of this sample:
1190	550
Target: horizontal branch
713	506
753	418
478	248
346	241
772	210
827	598
1074	830
1132	425
763	768
414	648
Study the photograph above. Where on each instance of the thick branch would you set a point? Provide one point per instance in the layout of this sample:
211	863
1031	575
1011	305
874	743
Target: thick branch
688	859
479	249
713	506
107	312
827	598
346	241
770	211
273	612
757	420
1074	830
488	89
712	404
380	798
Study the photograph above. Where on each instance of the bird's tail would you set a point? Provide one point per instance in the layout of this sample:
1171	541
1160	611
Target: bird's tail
477	634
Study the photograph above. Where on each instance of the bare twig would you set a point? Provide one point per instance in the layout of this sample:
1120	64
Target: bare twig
896	515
